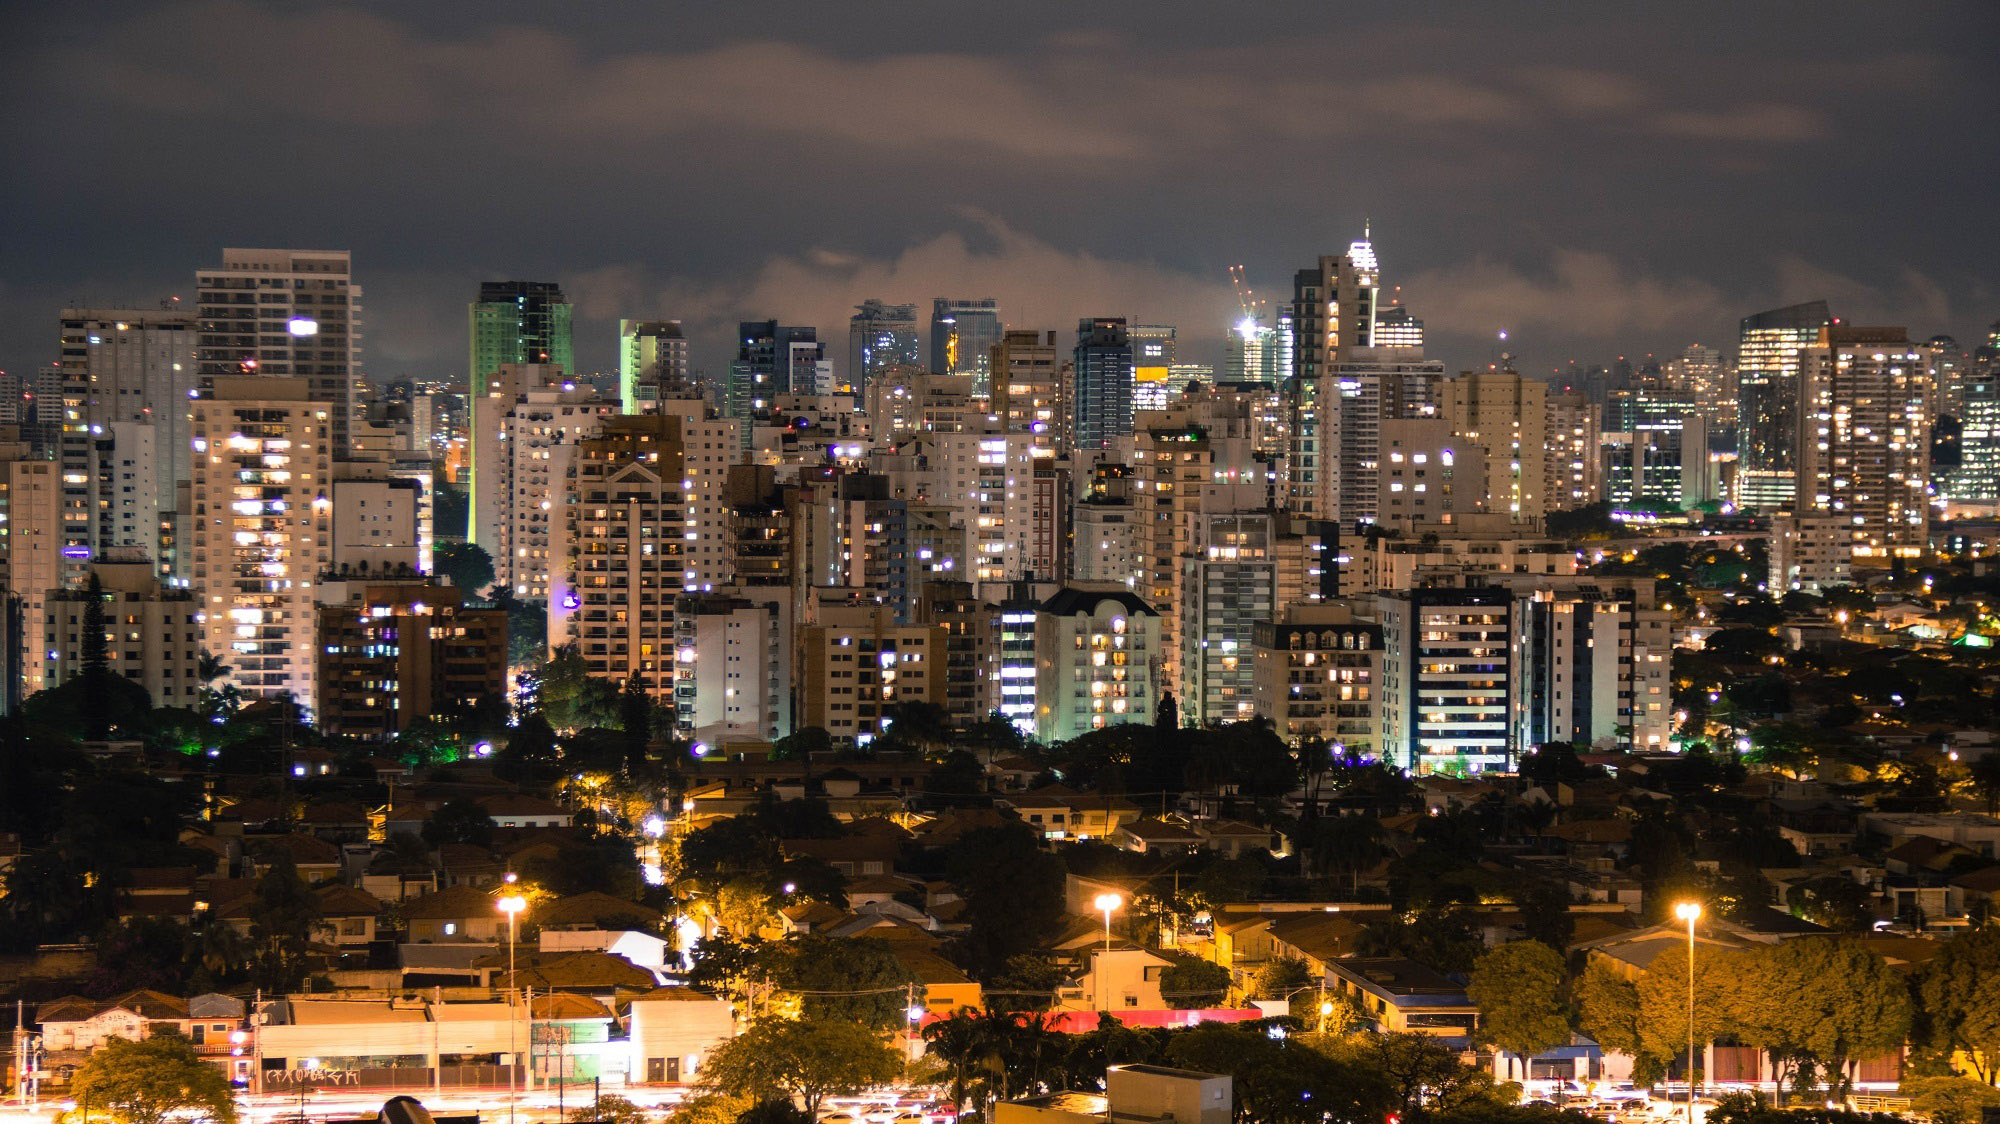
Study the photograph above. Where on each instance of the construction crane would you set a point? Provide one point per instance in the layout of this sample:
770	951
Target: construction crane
1245	296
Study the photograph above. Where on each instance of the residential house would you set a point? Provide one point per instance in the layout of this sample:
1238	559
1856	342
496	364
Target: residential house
1402	995
458	914
671	1030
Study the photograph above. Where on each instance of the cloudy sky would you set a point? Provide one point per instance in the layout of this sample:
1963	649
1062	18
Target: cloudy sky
1595	178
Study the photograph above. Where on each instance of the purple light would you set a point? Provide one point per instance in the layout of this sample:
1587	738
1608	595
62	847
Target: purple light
571	600
78	552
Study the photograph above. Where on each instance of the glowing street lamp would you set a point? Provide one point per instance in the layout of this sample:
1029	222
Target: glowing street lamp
1690	912
511	905
1107	903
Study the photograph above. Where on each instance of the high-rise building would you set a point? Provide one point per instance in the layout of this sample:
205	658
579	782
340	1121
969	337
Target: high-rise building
533	428
1029	387
880	336
1367	387
1333	310
773	359
1097	662
1573	467
1154	355
260	532
1446	671
135	366
1972	486
1699	376
1656	452
617	551
1251	355
394	649
1811	553
290	314
652	356
151	633
519	322
963	332
856	664
1101	383
733	664
1318	674
1864	443
1428	475
1507	415
1229	582
1767	395
1395	327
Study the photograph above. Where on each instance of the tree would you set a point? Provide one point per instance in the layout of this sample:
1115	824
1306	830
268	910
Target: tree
807	964
96	664
806	1059
1820	1003
1281	1080
1013	893
463	820
610	1110
1950	1100
1608	1011
1345	845
1191	982
1280	976
1424	1078
635	722
1960	994
1985	776
966	1045
1167	715
468	566
148	1081
1520	992
283	914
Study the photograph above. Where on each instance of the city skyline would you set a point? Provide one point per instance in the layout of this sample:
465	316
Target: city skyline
1570	176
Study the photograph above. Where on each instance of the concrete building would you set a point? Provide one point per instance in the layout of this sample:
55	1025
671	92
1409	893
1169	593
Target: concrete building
1112	539
1138	1094
130	371
651	354
32	562
1097	660
289	314
1030	388
971	648
152	633
621	540
856	662
732	665
260	531
1101	383
1229	579
393	650
1333	311
1864	445
1573	469
1506	414
1427	474
1811	553
533	428
1446	673
1368	387
377	524
1318	673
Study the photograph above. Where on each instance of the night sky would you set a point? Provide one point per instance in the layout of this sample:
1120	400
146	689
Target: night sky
1595	180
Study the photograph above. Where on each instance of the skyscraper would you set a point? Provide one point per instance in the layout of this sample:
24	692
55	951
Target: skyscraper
261	470
1153	357
1101	382
1028	386
880	336
1864	444
1767	396
652	354
292	313
1395	327
963	333
519	322
772	359
127	377
1333	310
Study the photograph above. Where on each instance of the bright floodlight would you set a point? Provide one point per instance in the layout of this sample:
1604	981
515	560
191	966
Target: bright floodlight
916	1014
302	326
1326	1008
1109	902
513	903
1688	911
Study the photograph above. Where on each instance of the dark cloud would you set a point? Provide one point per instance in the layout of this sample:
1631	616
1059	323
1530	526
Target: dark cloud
1592	178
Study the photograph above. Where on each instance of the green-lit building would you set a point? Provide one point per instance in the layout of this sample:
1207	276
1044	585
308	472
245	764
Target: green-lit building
519	322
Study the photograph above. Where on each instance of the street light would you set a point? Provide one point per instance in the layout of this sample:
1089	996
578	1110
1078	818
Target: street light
511	905
1690	912
1107	903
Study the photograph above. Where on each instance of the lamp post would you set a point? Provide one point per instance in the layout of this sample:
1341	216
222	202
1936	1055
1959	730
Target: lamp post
511	905
1107	903
1690	912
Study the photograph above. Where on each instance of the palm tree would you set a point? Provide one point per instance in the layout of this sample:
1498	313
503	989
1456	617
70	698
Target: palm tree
1345	843
217	702
963	1043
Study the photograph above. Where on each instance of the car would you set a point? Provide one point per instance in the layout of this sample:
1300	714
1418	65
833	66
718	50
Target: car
910	1116
839	1118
